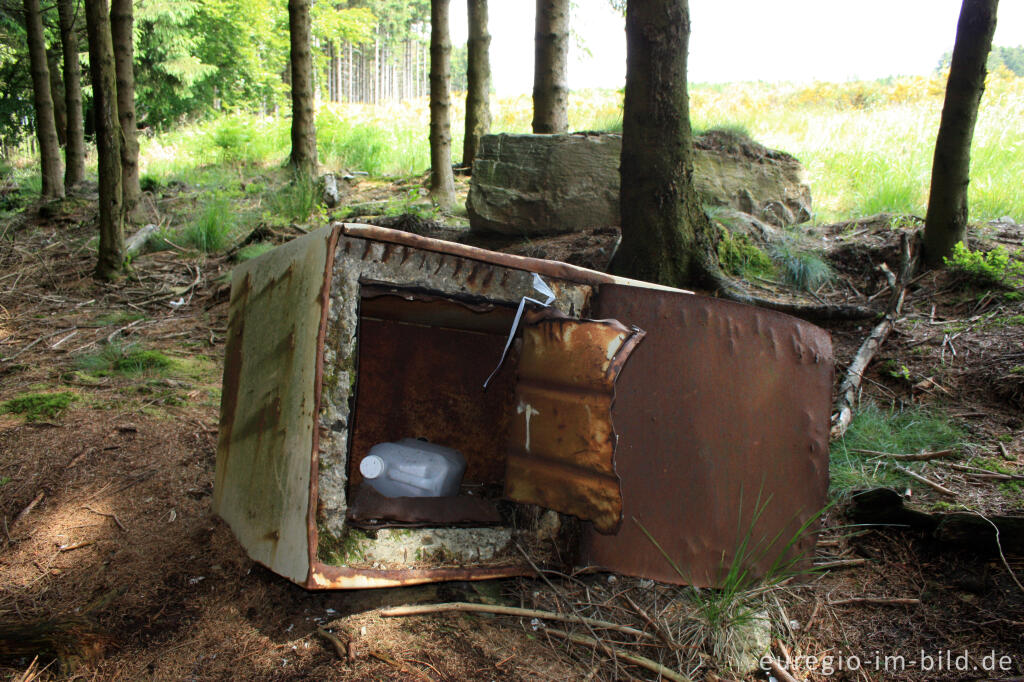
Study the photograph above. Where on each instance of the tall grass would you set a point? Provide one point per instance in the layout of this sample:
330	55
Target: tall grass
867	146
210	231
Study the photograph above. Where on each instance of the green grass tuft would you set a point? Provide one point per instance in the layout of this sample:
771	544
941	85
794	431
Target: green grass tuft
210	231
124	359
296	201
912	430
801	268
39	406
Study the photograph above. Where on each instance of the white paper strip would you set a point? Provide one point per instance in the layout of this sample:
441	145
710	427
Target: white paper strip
541	287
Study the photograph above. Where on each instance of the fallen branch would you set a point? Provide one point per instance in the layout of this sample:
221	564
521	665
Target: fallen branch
641	661
921	479
840	563
344	651
28	508
134	244
779	671
843	414
882	601
918	457
111	516
421	609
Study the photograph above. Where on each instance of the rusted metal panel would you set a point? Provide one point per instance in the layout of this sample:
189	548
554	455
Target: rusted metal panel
723	420
268	408
324	577
563	446
427	382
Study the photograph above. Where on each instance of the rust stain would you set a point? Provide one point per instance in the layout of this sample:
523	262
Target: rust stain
724	410
324	577
563	445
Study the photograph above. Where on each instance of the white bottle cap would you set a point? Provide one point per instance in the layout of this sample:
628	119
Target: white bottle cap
372	466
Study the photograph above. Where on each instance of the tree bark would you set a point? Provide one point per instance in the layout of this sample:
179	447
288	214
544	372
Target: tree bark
121	21
946	220
46	128
74	150
303	158
666	236
110	261
551	52
60	112
442	181
478	77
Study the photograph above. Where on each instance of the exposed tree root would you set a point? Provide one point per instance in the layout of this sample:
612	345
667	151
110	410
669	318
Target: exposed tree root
722	285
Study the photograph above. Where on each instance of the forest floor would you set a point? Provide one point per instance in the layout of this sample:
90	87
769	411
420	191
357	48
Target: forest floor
111	395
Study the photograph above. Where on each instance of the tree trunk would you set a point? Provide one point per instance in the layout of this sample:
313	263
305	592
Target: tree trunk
74	151
550	86
478	77
60	112
303	158
666	237
442	182
121	20
110	262
46	128
946	220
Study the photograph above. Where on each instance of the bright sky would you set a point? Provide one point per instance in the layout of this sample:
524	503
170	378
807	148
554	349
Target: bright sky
731	40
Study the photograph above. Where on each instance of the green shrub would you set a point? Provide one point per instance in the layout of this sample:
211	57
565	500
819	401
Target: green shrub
38	406
210	231
993	268
150	183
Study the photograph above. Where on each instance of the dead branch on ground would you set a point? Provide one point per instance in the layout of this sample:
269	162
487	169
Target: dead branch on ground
843	414
611	651
422	609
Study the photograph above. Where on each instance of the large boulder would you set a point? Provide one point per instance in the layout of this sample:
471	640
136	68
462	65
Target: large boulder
544	184
551	184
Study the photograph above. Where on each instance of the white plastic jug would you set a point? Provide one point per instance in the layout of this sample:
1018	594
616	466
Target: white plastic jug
413	468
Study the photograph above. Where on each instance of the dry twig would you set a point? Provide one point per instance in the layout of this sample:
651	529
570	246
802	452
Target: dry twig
883	601
917	457
921	479
421	609
609	650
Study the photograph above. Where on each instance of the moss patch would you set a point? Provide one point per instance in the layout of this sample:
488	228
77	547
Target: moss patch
740	256
39	406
